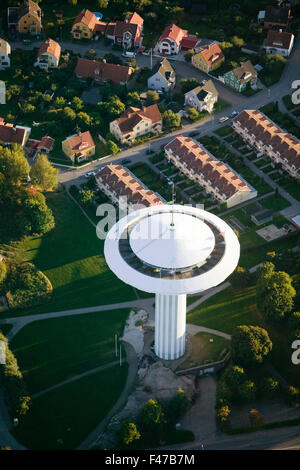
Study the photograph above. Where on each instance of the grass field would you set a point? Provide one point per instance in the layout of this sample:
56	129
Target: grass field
71	412
203	350
72	258
50	351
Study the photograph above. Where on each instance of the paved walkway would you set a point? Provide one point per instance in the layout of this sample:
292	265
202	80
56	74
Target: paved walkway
6	439
74	378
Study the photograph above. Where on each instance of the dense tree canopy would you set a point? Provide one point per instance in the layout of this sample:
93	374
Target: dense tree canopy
250	345
43	174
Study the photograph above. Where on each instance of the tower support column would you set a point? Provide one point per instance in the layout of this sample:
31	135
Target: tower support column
170	326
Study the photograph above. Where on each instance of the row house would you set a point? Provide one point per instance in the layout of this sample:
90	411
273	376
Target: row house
267	138
199	165
136	122
117	182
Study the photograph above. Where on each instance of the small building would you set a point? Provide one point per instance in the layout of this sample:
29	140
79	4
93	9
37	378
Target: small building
163	76
136	122
5	51
210	57
251	48
296	221
102	72
203	97
48	54
79	146
189	42
27	18
275	17
86	25
279	42
241	77
262	217
45	145
117	182
13	135
170	40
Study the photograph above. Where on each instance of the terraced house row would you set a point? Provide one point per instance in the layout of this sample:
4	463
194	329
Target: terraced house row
199	165
116	181
261	133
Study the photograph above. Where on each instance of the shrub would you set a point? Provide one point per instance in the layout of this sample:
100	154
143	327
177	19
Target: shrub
256	419
269	387
250	345
293	394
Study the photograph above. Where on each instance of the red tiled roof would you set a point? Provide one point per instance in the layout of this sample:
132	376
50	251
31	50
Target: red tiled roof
198	159
46	142
51	47
124	183
270	134
280	39
87	18
212	53
106	72
132	116
189	42
80	141
10	134
173	32
134	18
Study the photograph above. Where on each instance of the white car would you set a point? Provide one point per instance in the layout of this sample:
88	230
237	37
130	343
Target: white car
223	119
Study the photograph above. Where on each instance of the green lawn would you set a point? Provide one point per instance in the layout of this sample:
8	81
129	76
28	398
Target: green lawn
71	412
203	350
49	351
224	131
226	310
275	202
72	258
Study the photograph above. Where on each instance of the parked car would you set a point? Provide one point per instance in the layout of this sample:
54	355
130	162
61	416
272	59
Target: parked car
223	119
125	161
128	54
233	114
193	134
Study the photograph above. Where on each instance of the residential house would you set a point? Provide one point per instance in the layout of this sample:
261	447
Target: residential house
48	54
216	177
79	146
102	72
203	97
27	18
210	57
117	182
163	76
13	135
45	145
86	25
275	17
258	131
242	77
170	40
136	122
189	43
279	42
127	33
5	51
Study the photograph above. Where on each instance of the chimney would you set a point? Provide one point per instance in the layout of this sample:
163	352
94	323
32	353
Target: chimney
104	61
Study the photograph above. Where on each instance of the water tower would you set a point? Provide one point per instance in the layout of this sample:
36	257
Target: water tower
172	251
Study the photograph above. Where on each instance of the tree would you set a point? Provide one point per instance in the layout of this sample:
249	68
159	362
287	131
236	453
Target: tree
60	102
84	118
274	294
86	196
188	84
133	99
255	418
246	391
115	107
177	406
77	103
294	321
226	46
237	42
193	114
152	415
188	55
240	278
250	345
39	218
112	147
69	114
3	271
223	414
102	3
152	96
72	2
170	119
129	433
269	387
13	165
43	173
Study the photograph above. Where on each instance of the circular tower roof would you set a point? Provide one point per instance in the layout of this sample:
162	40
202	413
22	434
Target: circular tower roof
172	249
168	240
